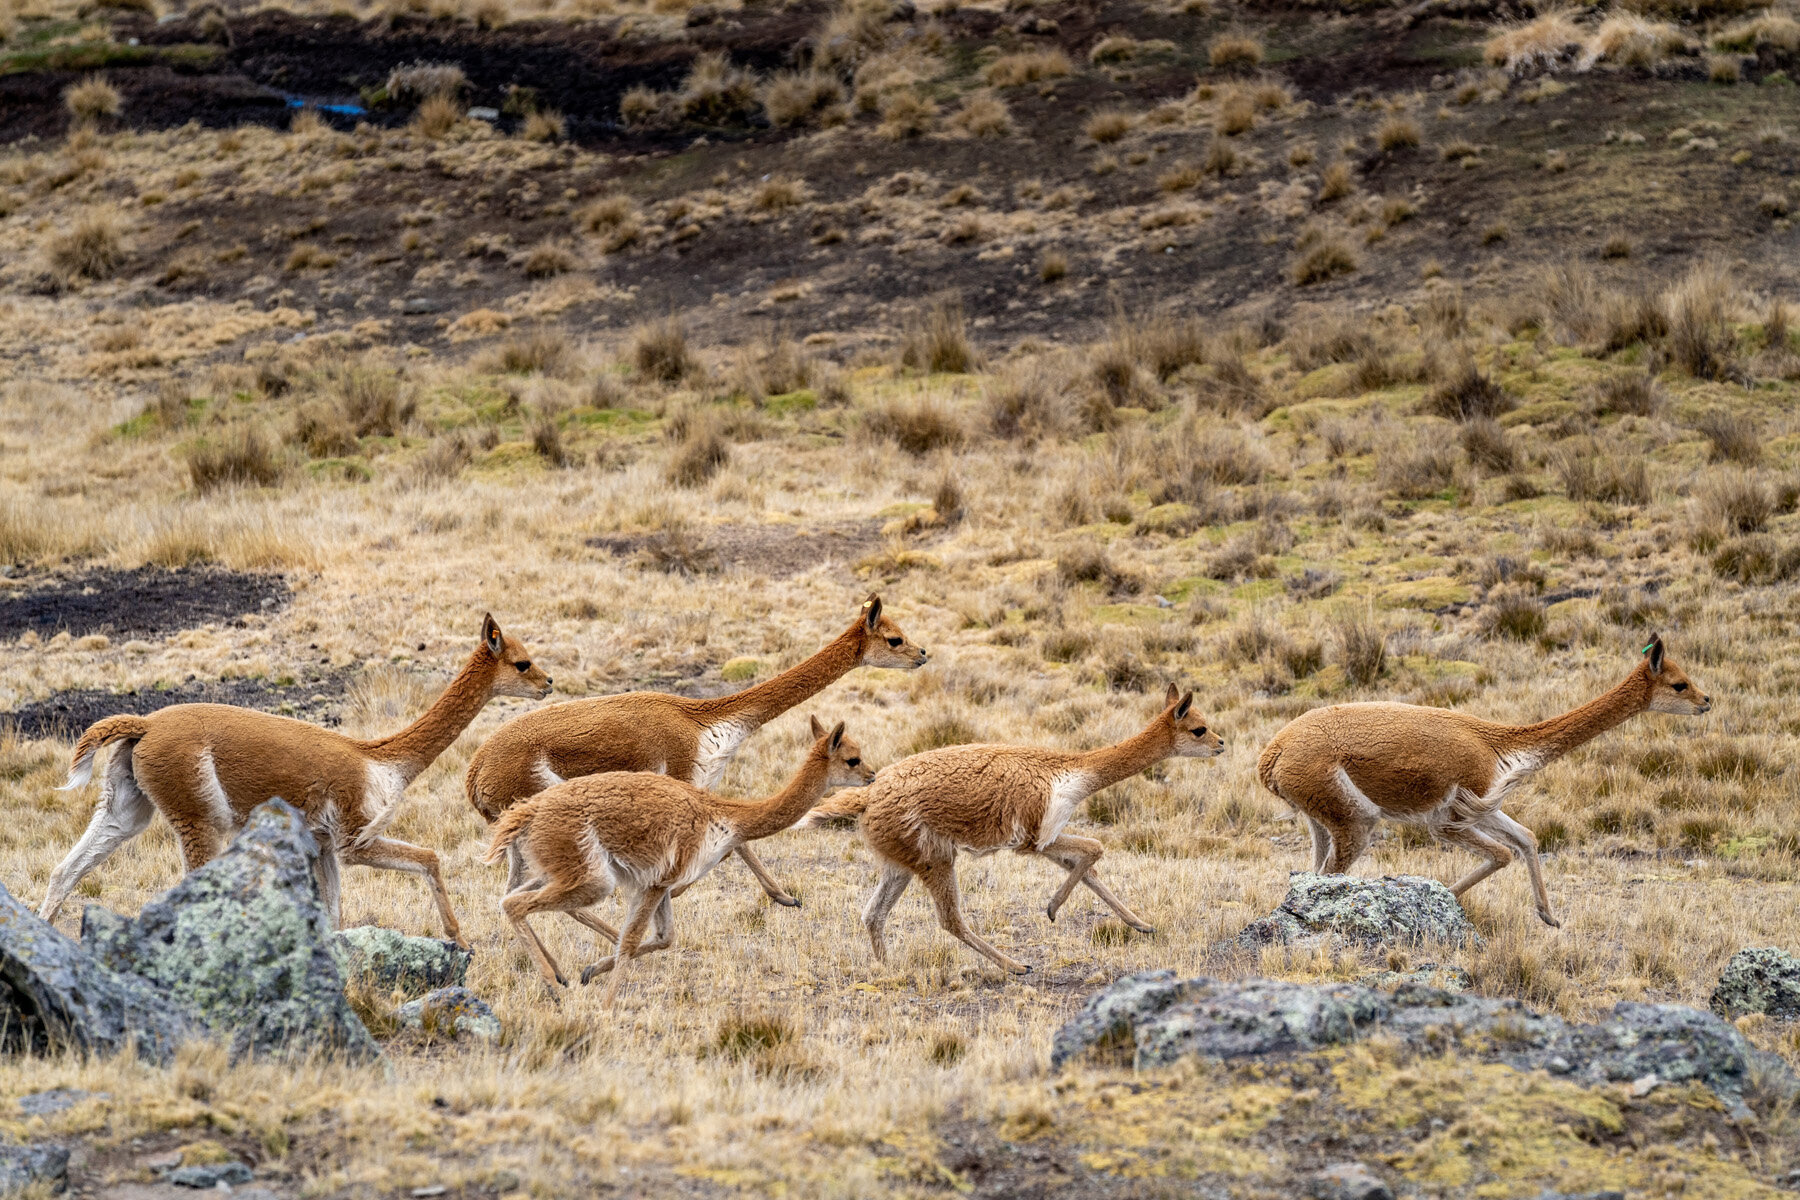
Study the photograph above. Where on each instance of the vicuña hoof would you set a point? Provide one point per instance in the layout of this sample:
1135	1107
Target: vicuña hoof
1549	920
1142	928
786	901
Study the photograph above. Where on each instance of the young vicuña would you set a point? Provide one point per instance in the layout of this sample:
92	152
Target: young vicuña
1346	766
692	740
651	836
919	812
205	766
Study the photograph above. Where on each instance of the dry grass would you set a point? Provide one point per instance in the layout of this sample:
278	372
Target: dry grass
1235	52
1105	128
937	338
92	246
983	114
92	100
1034	66
437	115
240	456
544	125
1399	133
659	351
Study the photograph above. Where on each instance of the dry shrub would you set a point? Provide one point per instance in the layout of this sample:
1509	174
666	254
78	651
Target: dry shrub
545	351
1338	181
1535	45
1702	340
851	32
660	352
1731	437
1398	133
700	447
983	114
1613	476
796	97
437	116
1231	385
1633	41
418	82
1029	400
1512	611
917	426
1188	461
1333	336
546	440
715	92
1464	392
1236	113
1235	52
1733	501
1776	30
779	192
1489	447
1361	648
91	247
1632	392
613	219
241	455
906	113
1108	126
1759	559
548	258
92	100
1417	466
645	108
544	125
1723	68
1322	255
1013	70
1089	562
937	339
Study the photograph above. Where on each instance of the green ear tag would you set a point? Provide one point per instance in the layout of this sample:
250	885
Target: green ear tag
1646	649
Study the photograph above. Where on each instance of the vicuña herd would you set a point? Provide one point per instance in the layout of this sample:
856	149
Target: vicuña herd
620	793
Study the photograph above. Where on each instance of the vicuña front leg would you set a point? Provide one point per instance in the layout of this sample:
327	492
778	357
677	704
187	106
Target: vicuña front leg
1524	842
664	925
776	892
643	905
940	880
389	854
1079	855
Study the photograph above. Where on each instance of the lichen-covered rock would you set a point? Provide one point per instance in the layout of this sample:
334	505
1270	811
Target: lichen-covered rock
244	944
389	958
210	1176
451	1012
1348	1181
54	996
1761	979
23	1166
1444	976
1163	1019
1393	910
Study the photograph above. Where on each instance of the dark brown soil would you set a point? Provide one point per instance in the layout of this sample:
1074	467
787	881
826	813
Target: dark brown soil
66	714
146	602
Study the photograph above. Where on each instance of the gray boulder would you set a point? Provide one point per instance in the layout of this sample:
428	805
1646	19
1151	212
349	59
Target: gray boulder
1162	1020
42	1104
54	996
1393	910
450	1012
211	1176
23	1166
389	958
244	944
1348	1181
1762	979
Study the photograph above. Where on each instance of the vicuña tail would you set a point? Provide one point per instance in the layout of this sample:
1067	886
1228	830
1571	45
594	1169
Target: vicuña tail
101	733
840	812
513	822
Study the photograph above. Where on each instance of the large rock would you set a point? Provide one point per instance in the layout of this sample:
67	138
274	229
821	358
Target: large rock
389	958
244	944
1393	910
54	996
1761	979
451	1012
1158	1019
23	1166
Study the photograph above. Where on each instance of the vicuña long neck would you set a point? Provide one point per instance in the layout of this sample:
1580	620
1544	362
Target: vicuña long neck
767	700
1121	760
418	745
763	818
1550	740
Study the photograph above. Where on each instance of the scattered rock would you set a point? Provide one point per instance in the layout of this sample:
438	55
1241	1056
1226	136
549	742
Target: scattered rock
1161	1019
1762	979
1393	910
450	1012
418	306
23	1166
1348	1181
42	1104
389	958
244	944
1449	978
210	1176
55	996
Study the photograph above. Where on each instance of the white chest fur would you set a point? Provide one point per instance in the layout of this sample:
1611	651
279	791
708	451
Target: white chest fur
384	787
1066	791
718	745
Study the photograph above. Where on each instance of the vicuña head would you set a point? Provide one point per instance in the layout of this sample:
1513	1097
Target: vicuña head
1346	766
885	644
525	679
845	766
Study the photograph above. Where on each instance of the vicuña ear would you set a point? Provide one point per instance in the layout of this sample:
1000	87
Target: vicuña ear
837	736
818	730
872	612
1170	696
490	633
1654	652
1181	710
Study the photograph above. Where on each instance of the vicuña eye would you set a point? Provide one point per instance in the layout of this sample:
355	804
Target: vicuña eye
1199	731
895	641
853	762
523	666
1681	687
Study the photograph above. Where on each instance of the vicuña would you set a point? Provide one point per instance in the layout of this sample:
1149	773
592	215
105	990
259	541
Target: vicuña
691	740
205	766
919	812
650	836
1347	766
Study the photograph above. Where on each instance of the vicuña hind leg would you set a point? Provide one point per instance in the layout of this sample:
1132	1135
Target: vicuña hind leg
390	854
1079	855
894	879
664	925
1321	845
1497	854
940	880
522	902
122	813
1348	841
1524	841
776	892
643	905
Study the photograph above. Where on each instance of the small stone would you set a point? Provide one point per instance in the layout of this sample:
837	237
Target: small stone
23	1166
1760	979
210	1176
1556	1064
480	113
42	1104
436	1189
450	1012
1162	602
1348	1181
1643	1086
419	306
